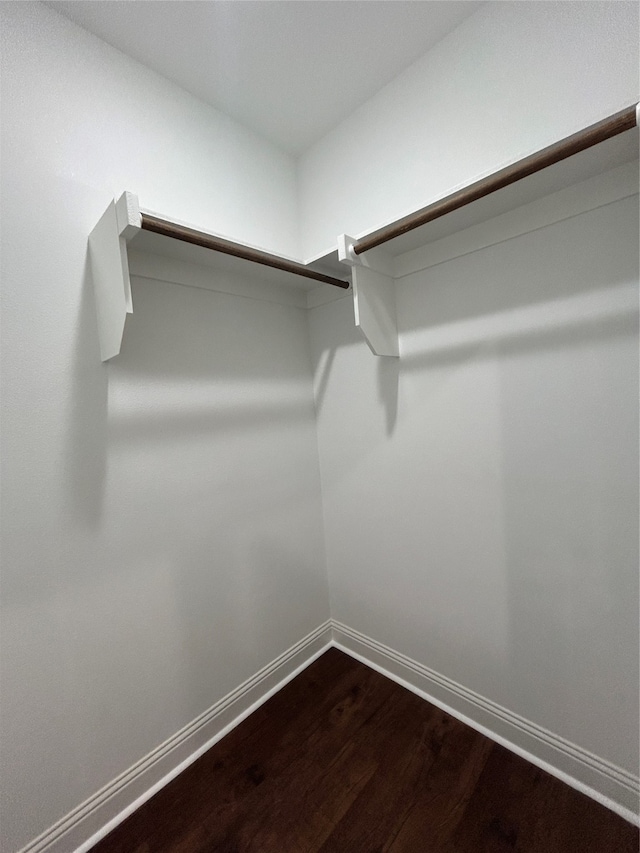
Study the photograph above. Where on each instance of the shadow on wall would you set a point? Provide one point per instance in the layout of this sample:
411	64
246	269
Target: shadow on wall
191	458
327	359
560	333
509	297
238	601
504	549
228	338
167	357
86	435
555	286
534	268
170	425
388	381
521	328
388	369
198	363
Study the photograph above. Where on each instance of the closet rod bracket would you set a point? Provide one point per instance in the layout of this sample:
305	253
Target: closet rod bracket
374	301
120	222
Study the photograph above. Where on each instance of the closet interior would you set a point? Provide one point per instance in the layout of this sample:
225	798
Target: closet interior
303	362
373	261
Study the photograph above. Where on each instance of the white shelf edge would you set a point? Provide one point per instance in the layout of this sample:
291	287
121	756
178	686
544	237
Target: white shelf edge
374	300
120	224
110	270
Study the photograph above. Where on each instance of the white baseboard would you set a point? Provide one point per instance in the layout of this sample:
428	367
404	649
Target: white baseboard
92	820
613	787
82	828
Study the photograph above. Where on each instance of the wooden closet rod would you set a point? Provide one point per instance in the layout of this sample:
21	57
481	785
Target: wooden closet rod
208	241
612	126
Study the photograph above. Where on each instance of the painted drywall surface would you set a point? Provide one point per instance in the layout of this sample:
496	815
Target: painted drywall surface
509	80
97	119
481	491
161	515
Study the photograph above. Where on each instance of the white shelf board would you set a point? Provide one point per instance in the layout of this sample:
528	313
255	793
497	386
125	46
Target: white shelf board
120	229
168	247
375	271
120	236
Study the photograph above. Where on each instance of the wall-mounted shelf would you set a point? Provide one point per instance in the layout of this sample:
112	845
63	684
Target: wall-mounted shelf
378	259
124	225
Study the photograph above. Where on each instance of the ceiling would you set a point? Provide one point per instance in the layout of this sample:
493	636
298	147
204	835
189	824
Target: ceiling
288	69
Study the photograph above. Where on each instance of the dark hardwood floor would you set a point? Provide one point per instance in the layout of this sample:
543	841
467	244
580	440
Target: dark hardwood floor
344	760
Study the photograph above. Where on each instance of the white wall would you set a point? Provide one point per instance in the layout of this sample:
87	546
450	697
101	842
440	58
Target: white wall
158	513
162	534
481	492
98	121
509	80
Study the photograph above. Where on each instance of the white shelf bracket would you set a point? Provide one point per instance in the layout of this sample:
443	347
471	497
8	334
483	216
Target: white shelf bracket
120	222
374	300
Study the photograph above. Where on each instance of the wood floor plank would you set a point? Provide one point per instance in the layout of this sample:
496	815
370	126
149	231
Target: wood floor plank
342	760
416	749
517	806
439	803
220	785
295	798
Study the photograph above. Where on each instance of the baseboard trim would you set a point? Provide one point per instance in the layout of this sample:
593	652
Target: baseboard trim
613	787
82	828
